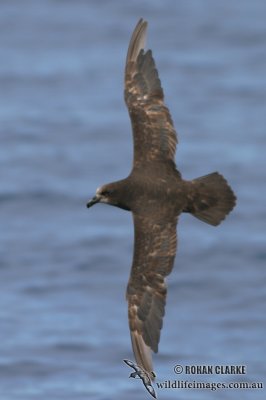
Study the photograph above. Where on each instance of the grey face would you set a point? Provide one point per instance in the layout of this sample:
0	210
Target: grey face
101	196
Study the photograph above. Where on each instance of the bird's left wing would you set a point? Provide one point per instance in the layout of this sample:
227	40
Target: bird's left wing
154	253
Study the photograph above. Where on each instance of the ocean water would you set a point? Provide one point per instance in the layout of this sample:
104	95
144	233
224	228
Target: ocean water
65	131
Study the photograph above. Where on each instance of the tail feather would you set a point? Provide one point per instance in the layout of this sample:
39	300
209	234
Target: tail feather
211	198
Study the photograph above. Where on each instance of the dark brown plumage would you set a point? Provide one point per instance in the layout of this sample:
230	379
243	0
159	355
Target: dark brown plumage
156	194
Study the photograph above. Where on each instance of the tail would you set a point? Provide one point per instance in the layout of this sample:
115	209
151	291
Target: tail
210	198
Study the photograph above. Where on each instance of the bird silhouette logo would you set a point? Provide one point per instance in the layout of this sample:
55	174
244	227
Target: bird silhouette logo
146	377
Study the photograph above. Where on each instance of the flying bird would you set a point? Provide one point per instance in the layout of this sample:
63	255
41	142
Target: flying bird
156	195
143	375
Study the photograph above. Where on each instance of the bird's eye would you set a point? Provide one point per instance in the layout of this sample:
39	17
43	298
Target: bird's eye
105	193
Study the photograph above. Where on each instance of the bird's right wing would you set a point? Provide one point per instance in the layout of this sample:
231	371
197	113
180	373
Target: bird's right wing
154	253
153	131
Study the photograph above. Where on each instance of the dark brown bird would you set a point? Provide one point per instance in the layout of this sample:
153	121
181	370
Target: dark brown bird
156	194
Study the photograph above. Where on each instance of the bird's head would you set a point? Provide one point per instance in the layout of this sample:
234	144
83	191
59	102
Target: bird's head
111	193
104	194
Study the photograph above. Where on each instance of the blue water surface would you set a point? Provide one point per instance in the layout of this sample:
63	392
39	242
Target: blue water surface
65	131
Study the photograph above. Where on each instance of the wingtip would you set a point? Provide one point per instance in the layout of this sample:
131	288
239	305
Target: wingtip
137	41
142	354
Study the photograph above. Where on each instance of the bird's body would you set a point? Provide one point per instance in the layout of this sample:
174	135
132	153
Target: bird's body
155	188
156	195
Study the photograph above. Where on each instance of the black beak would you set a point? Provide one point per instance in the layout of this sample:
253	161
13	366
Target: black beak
93	201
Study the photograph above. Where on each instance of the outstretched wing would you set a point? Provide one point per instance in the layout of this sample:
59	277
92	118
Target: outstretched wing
131	364
154	134
150	389
154	253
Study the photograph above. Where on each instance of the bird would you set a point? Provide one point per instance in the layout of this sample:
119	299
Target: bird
156	194
143	375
